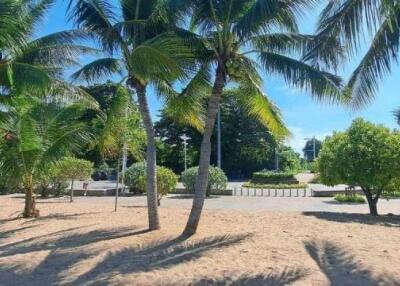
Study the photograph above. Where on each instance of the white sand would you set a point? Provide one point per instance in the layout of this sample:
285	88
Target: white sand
86	243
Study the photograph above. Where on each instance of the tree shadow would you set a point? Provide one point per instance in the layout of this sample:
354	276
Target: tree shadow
344	203
8	233
189	197
58	216
383	220
272	278
65	239
160	254
341	268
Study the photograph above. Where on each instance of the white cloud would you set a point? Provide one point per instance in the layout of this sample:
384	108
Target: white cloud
297	141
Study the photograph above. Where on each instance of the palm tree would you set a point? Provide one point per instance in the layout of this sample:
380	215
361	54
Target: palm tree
37	134
237	38
36	65
341	32
137	37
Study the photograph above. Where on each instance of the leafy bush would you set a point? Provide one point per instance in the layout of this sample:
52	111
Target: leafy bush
135	178
269	178
276	186
350	199
393	189
102	172
51	182
217	180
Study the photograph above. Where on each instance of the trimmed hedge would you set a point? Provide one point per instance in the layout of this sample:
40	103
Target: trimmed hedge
274	186
217	180
350	199
273	178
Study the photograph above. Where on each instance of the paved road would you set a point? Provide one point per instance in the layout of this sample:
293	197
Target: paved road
282	204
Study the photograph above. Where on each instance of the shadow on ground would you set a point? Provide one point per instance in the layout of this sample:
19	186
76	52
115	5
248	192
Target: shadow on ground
383	220
186	197
65	252
341	268
272	278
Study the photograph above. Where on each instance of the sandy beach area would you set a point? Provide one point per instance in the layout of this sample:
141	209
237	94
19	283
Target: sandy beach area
87	243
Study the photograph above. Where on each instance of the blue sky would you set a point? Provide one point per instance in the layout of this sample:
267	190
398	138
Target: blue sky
304	116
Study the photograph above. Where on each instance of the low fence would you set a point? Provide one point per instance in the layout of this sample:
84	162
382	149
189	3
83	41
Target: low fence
257	192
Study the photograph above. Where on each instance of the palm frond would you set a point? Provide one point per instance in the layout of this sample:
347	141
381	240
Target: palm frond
98	69
322	85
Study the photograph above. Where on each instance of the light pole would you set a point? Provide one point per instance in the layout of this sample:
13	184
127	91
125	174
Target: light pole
185	139
219	159
276	159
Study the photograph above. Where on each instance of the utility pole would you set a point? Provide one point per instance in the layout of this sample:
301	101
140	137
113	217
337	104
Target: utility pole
219	159
314	149
185	139
276	159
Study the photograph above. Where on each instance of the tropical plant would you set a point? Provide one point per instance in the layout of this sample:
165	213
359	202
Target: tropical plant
166	179
139	33
341	32
217	180
73	169
230	34
35	134
51	181
366	155
36	65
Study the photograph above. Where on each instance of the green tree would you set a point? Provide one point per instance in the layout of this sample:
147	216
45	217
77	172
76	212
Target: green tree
289	160
35	134
366	155
147	54
340	34
230	35
73	169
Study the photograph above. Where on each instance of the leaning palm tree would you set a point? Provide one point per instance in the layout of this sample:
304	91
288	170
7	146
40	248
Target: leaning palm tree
137	36
341	32
36	134
234	40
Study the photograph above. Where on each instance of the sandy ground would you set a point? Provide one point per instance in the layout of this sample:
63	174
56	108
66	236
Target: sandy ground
86	243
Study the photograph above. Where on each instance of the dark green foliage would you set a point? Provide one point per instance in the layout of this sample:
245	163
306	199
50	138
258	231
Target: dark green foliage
247	146
217	180
308	149
269	177
289	160
276	186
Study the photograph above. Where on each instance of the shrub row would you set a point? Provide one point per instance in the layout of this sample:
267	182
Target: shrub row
276	186
269	177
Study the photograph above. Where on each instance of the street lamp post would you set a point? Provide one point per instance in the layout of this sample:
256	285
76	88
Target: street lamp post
185	139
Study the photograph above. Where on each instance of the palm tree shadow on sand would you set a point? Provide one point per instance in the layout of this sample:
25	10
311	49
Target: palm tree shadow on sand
341	268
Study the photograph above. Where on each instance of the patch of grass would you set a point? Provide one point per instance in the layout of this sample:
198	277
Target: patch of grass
350	199
275	186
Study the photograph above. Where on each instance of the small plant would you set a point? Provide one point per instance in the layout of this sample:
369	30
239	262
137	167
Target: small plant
74	169
217	180
51	181
350	199
135	178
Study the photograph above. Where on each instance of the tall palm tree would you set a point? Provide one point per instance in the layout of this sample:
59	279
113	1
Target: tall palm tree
236	39
36	134
136	34
341	32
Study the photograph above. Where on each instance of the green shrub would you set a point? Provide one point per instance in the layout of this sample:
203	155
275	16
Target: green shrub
135	178
271	178
350	199
276	186
51	182
393	189
217	180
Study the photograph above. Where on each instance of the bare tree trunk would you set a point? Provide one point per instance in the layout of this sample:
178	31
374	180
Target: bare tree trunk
205	153
372	202
30	205
151	183
71	194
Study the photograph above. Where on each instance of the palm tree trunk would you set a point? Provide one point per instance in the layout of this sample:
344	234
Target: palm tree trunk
151	183
30	206
205	153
